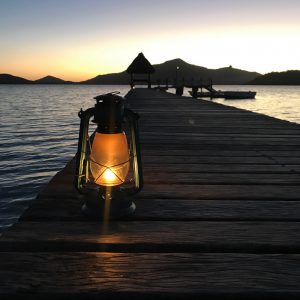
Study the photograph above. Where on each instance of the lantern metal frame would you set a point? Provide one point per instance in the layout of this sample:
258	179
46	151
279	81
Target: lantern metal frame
107	202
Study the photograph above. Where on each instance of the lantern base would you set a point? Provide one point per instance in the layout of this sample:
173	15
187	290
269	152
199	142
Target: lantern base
116	207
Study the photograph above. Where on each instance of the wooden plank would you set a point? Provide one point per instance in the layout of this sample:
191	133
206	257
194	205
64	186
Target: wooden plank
287	160
220	153
219	142
226	146
294	168
196	192
222	168
190	159
230	192
69	209
144	130
149	169
219	137
222	179
214	121
190	123
154	276
238	210
149	236
194	110
184	177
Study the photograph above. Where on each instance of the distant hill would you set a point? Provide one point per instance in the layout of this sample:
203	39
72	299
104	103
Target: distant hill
10	79
114	78
167	70
50	80
291	77
188	71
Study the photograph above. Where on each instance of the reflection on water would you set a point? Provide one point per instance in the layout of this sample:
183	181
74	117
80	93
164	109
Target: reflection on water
39	131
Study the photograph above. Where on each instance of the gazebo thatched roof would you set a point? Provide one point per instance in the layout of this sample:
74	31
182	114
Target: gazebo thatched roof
140	65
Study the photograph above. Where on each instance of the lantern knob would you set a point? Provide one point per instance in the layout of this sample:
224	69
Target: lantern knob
109	113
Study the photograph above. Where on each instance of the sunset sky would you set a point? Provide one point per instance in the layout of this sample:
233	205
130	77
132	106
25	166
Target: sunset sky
79	39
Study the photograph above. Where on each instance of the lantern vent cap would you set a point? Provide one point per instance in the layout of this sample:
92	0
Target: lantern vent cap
109	97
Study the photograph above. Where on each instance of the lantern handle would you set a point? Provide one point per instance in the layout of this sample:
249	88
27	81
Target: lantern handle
81	171
132	118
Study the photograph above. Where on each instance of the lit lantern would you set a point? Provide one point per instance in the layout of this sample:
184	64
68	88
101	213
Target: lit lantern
108	163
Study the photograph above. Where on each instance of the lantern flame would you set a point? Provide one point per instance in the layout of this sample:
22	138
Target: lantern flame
109	175
109	160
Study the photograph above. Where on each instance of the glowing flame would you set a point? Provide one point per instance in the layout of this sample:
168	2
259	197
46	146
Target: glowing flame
109	176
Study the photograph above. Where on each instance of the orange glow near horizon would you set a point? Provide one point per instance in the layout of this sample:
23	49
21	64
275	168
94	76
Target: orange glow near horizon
89	39
253	51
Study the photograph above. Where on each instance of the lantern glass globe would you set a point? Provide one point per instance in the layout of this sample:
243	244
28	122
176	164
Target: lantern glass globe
109	159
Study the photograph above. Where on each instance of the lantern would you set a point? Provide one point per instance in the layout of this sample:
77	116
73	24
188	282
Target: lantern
108	163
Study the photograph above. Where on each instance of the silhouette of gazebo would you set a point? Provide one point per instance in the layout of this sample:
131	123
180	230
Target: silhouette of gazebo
140	65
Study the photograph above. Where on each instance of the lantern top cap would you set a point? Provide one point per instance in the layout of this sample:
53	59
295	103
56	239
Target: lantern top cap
140	65
111	97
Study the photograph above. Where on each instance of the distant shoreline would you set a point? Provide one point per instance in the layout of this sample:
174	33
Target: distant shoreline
173	71
124	84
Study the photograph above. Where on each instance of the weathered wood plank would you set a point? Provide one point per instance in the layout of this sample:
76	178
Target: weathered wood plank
186	177
194	192
220	153
191	159
222	168
230	192
147	125
219	142
209	136
149	236
51	209
259	131
225	146
286	160
149	169
154	276
222	179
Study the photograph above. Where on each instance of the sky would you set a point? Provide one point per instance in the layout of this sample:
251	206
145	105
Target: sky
80	39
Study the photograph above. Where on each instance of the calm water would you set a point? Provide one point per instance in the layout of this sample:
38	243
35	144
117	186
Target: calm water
282	102
39	131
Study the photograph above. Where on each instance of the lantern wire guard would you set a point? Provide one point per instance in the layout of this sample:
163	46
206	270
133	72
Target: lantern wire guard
108	163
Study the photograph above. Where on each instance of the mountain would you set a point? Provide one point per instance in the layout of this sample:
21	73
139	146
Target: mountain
50	80
291	77
114	78
166	70
189	72
10	79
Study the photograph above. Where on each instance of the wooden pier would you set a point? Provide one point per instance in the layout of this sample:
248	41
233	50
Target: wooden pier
218	218
193	85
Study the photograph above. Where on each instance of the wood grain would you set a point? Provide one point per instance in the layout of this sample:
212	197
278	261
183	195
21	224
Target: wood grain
154	276
160	236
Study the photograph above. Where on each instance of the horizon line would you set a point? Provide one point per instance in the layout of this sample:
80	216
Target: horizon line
105	74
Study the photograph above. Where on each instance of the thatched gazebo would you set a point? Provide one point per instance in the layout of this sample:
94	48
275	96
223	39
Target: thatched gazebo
140	65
